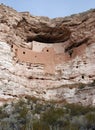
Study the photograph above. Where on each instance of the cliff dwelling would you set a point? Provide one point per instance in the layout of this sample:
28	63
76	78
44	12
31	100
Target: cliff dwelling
40	53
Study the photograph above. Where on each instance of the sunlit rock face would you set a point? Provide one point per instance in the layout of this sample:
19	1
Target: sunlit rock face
70	57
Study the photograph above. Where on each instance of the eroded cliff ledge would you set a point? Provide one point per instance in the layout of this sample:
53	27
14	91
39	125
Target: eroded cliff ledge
23	28
73	64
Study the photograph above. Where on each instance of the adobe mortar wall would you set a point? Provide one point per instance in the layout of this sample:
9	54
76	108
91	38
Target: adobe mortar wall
44	57
49	55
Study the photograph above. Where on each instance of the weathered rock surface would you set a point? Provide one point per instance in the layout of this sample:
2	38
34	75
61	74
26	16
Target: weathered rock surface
21	79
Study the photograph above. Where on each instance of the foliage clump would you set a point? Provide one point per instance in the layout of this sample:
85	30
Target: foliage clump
28	114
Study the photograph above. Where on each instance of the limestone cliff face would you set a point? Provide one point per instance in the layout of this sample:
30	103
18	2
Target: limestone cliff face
73	64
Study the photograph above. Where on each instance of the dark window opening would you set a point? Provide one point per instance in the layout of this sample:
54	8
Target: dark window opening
76	66
11	46
47	50
23	52
82	76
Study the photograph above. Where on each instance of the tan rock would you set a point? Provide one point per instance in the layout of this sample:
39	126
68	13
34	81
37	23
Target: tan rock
68	58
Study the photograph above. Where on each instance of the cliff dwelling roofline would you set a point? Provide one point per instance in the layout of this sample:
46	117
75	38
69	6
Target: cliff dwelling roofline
38	46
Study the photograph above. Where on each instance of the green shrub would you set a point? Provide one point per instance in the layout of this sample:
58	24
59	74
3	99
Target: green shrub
46	116
76	109
52	116
81	86
90	117
38	108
